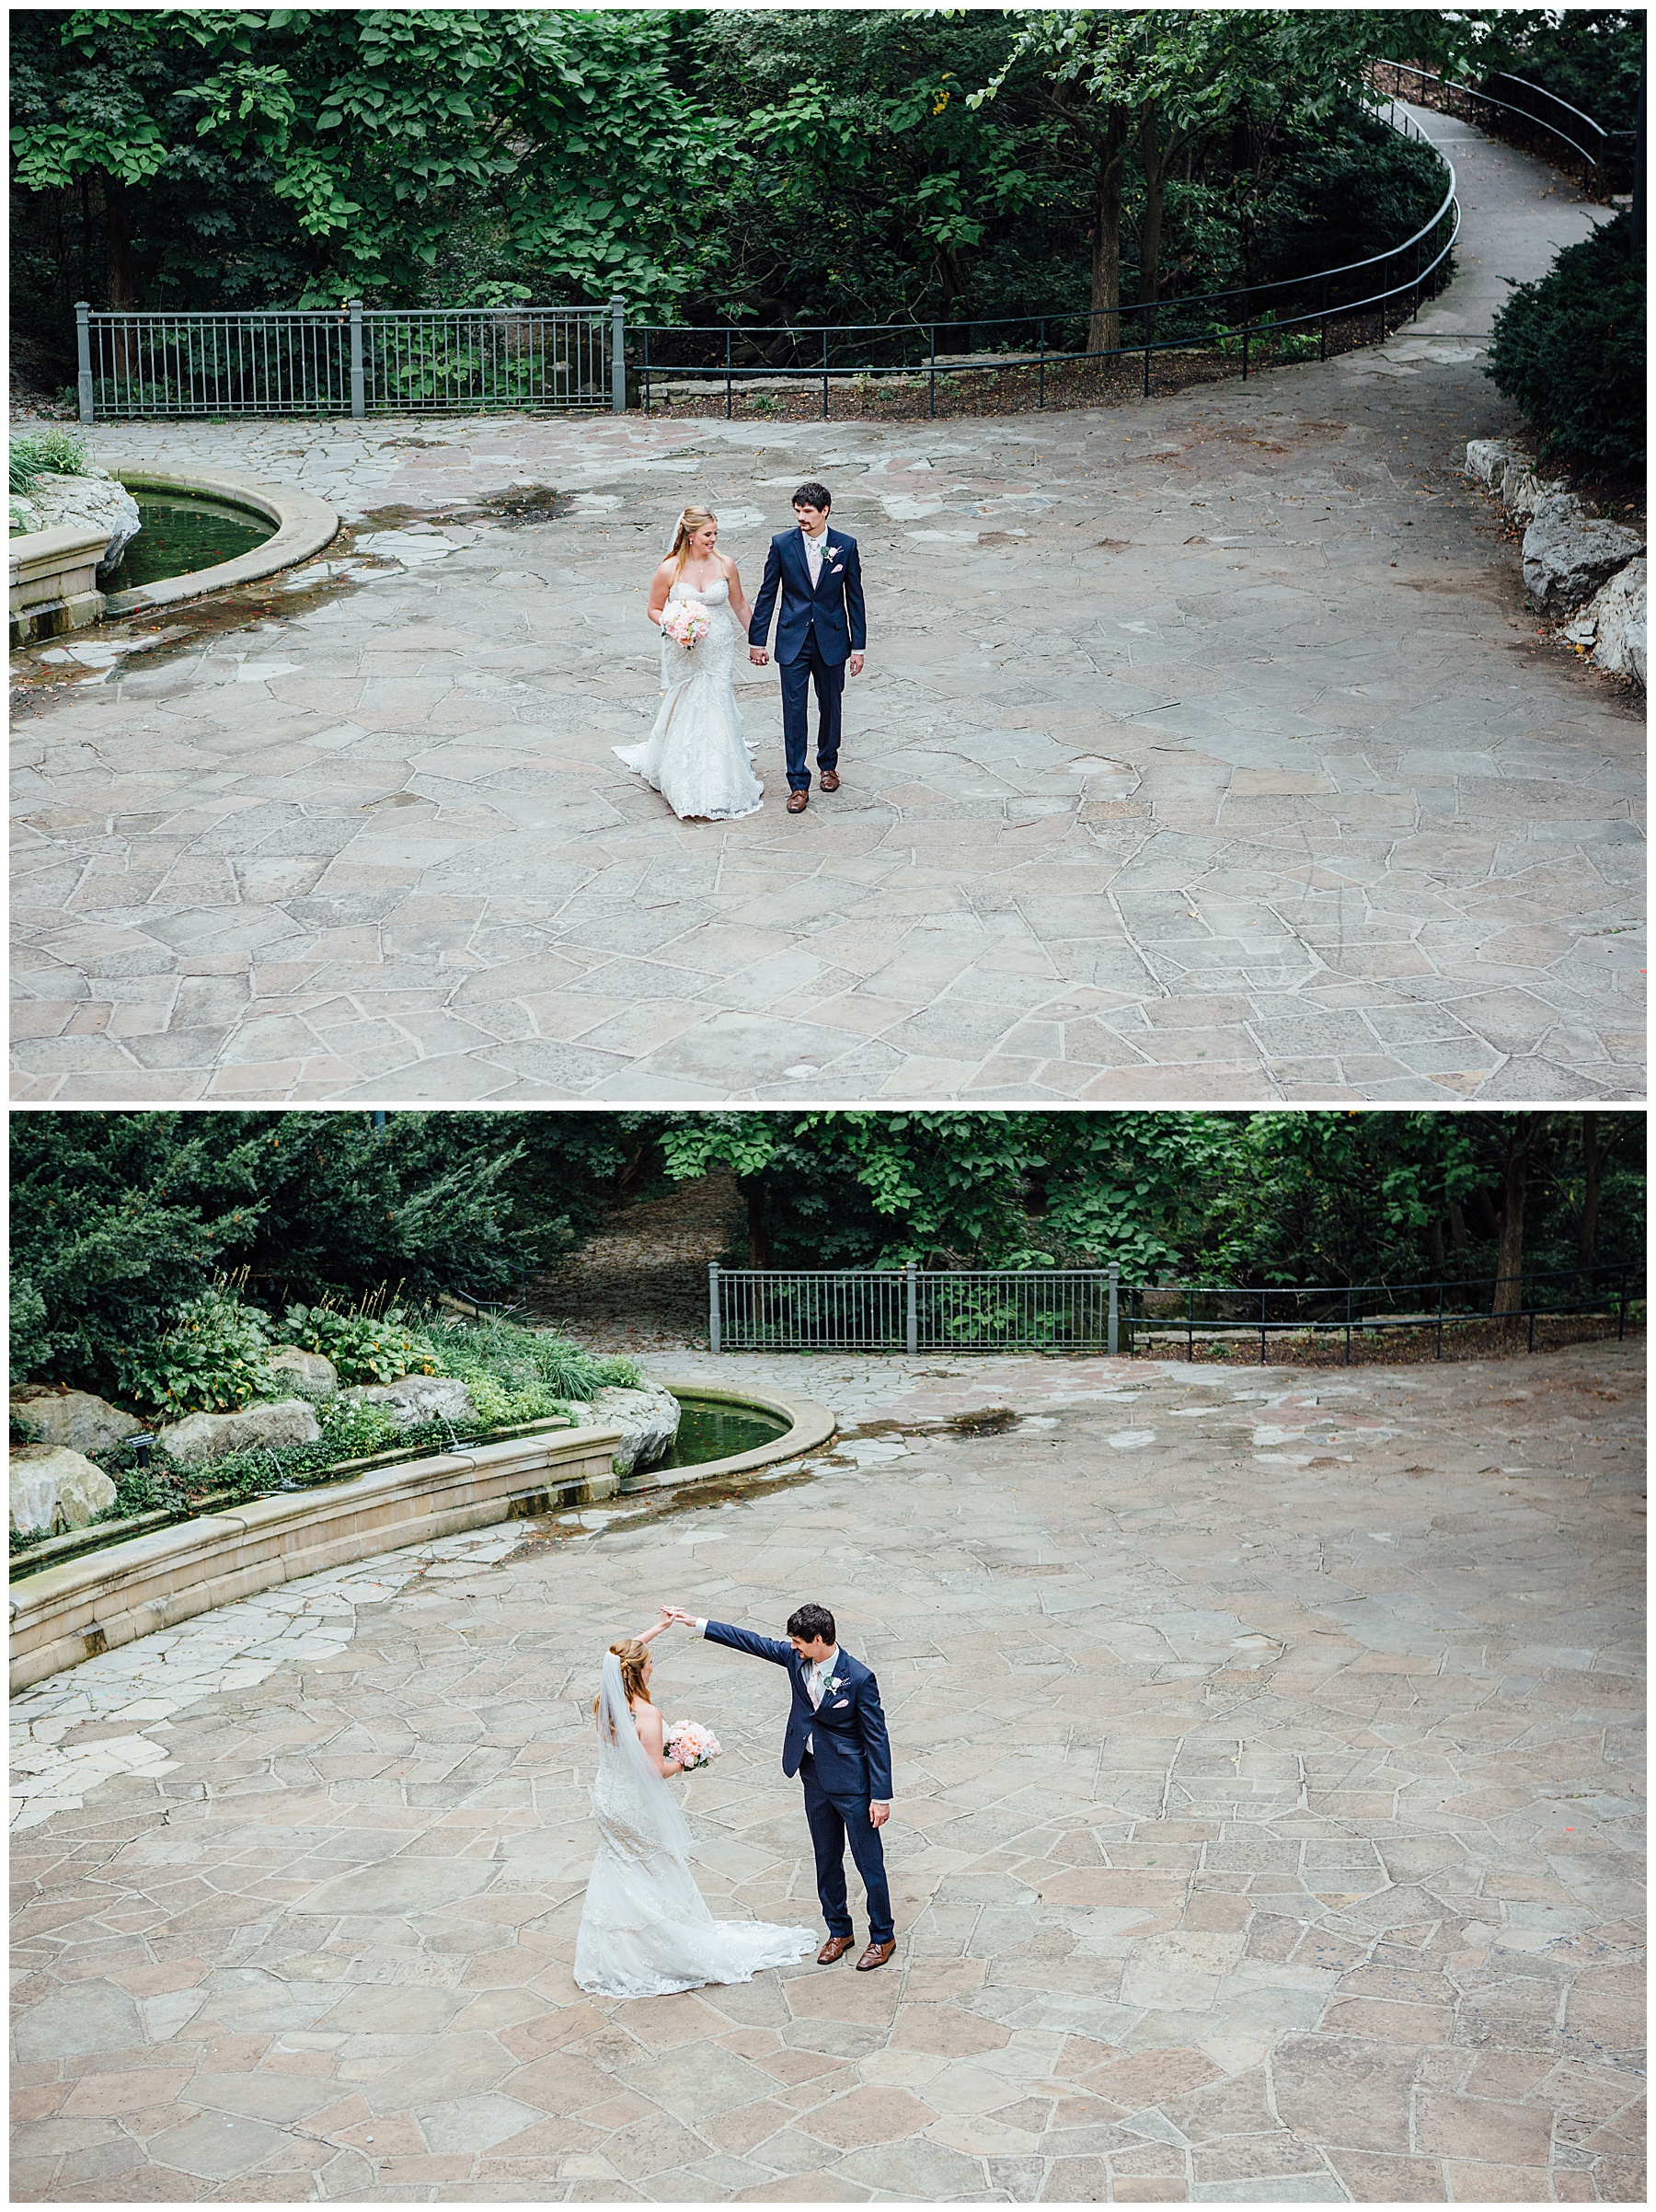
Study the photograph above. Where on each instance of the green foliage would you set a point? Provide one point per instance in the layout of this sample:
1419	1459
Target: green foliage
211	1360
364	1346
118	1219
1587	56
517	1374
1570	351
40	452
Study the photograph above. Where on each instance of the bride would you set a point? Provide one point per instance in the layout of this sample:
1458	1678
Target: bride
697	755
645	1929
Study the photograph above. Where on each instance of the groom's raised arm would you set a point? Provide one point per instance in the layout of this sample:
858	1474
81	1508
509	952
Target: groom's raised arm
765	599
743	1640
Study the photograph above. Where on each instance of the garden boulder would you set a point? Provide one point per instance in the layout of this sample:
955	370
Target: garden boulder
95	501
75	1419
647	1420
53	1488
1567	555
414	1397
1487	460
313	1376
1612	624
200	1438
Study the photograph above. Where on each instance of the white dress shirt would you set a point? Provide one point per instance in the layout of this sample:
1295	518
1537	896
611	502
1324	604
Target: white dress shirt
814	549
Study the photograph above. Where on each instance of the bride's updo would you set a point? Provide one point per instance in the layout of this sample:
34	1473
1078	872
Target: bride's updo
632	1655
692	520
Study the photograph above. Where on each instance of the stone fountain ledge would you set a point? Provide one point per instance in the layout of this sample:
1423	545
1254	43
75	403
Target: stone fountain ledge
88	1606
304	526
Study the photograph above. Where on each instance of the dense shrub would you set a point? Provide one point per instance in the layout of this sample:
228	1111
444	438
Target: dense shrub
1570	351
45	452
212	1360
364	1347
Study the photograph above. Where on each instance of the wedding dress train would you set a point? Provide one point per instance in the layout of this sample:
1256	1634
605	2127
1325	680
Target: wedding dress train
645	1929
697	755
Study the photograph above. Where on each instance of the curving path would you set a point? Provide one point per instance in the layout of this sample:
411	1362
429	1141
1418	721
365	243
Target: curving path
1267	1798
1205	751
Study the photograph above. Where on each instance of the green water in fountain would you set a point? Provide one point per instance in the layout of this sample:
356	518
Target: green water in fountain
182	535
710	1429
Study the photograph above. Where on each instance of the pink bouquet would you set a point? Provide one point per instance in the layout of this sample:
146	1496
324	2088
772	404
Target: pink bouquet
685	624
692	1745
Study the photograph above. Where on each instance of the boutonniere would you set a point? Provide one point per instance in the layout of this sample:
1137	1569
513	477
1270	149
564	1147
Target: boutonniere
833	1682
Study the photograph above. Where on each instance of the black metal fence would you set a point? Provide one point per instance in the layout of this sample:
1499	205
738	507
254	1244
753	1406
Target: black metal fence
349	360
1092	1311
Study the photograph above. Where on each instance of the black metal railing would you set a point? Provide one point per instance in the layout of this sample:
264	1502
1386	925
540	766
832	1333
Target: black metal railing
1513	107
351	360
1283	318
1093	1310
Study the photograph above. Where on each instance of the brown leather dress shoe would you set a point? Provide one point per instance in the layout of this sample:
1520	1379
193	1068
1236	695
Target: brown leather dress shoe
797	802
835	1948
875	1955
829	779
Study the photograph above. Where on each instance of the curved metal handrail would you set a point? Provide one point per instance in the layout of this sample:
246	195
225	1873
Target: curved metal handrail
1472	92
1247	331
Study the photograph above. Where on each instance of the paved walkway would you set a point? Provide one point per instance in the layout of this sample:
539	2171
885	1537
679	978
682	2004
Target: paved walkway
1265	1827
1204	751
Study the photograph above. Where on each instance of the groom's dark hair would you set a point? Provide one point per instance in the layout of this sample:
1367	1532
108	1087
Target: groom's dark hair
813	495
811	1624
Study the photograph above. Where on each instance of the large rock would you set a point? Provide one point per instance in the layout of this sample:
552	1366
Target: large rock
1567	555
92	501
414	1398
202	1437
1612	624
73	1418
1487	460
1522	490
647	1418
53	1488
313	1376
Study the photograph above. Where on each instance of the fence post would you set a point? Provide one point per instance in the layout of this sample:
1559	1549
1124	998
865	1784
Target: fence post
1115	1285
1621	1310
359	406
912	1288
1041	400
617	308
933	369
1440	1326
83	340
1348	1324
713	1304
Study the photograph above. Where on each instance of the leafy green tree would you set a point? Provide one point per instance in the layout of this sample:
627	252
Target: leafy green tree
1570	351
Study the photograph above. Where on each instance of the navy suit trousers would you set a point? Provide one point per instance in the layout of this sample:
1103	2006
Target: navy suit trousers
833	1820
829	677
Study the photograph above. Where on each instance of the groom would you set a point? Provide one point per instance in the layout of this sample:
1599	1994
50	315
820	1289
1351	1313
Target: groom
836	1744
821	631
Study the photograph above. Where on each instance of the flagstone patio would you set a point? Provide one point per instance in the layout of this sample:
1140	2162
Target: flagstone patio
1204	751
1265	1827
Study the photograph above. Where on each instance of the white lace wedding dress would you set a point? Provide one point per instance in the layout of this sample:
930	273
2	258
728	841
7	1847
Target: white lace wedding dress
645	1929
697	755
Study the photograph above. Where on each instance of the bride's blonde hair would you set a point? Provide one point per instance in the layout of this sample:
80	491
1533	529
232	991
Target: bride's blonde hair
632	1655
692	520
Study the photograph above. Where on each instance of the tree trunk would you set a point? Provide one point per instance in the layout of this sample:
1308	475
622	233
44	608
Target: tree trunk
1458	1235
118	226
1434	1240
1104	331
758	1243
1593	1167
1509	1262
1155	180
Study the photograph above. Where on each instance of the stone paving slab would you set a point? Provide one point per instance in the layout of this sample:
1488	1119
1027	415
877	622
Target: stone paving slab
1266	1823
1204	752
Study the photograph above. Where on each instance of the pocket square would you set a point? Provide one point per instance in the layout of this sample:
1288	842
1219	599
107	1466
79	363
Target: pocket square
840	1704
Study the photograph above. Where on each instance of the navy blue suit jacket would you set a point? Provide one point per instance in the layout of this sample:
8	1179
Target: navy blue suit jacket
835	609
849	1742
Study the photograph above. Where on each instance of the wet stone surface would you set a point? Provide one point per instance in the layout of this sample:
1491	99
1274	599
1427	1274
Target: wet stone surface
1267	1823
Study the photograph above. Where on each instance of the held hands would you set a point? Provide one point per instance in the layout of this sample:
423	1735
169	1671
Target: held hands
757	655
670	1614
